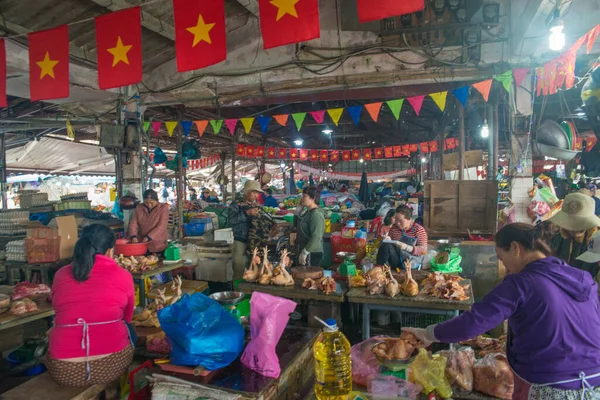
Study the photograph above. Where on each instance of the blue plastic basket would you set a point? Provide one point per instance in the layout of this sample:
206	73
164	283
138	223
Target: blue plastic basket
14	361
194	228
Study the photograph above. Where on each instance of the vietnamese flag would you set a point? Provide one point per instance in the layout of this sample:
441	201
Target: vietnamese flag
288	21
334	155
241	150
433	146
303	154
294	154
379	153
3	100
119	47
250	151
282	153
49	64
425	147
413	148
271	152
346	155
356	154
367	154
324	155
260	151
450	144
369	10
314	155
200	34
389	152
406	149
397	151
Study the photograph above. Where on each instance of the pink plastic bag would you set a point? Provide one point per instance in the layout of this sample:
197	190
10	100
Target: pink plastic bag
268	317
390	386
364	363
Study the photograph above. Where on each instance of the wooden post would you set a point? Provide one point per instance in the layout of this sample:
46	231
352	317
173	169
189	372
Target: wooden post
233	154
223	187
461	142
179	178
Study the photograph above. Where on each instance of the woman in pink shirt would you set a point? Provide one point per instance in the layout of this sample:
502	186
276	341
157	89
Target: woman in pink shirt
93	299
149	223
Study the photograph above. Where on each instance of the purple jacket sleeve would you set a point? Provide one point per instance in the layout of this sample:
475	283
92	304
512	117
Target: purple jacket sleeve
494	309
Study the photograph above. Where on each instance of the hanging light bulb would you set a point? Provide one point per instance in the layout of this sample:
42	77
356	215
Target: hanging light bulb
485	129
423	160
556	40
361	160
298	142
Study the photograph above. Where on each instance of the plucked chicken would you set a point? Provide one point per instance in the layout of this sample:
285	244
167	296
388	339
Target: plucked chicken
392	287
266	272
400	348
409	287
325	284
376	280
281	276
492	376
251	274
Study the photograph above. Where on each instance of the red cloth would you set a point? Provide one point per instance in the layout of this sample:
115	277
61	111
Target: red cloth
416	231
151	223
106	295
49	61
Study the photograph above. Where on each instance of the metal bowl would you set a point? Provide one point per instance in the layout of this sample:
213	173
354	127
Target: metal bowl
346	255
228	298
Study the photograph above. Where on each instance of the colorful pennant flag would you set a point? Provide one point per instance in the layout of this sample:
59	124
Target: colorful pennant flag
171	125
395	107
334	155
260	151
49	64
397	151
378	153
303	154
200	33
520	74
373	110
314	155
282	119
247	124
288	21
231	123
416	102
263	122
439	99
388	152
119	47
324	155
355	112
3	99
346	155
367	154
271	153
216	125
241	150
146	126
282	153
156	127
335	114
201	126
294	154
356	154
318	116
369	10
506	79
461	94
299	119
484	87
186	125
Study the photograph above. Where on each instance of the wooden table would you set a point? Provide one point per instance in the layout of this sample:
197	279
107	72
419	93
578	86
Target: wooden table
294	292
14	269
7	320
43	387
422	303
139	278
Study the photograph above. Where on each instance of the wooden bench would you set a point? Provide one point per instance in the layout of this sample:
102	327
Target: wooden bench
43	387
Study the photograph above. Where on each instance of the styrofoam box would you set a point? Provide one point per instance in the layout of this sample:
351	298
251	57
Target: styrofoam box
218	269
224	235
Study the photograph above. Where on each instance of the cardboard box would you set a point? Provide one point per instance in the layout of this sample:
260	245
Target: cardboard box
67	230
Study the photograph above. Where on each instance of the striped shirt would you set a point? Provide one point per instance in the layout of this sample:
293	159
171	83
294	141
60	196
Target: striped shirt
415	231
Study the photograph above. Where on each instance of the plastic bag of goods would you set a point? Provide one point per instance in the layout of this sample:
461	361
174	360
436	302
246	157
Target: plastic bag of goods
459	369
189	255
364	363
492	376
195	327
430	373
269	317
390	387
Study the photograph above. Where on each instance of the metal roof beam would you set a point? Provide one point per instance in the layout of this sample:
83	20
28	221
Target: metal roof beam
250	5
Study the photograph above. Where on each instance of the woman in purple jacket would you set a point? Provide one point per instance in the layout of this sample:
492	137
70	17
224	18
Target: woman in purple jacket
553	343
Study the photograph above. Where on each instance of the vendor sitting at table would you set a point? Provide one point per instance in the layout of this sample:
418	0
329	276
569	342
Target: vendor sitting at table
93	299
406	240
149	223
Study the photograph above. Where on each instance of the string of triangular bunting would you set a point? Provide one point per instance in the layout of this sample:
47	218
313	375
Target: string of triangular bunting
335	114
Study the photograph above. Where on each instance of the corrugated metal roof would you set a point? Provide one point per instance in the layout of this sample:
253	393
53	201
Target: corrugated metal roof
53	155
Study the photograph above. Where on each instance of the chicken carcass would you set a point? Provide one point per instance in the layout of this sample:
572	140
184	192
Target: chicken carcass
251	274
400	348
409	287
459	368
327	285
280	276
266	272
309	284
177	292
492	376
392	287
376	280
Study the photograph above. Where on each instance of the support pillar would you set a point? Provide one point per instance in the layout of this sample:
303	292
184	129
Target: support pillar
3	186
223	186
233	154
461	142
495	135
180	177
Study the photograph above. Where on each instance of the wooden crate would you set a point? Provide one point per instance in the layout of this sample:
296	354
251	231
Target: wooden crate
452	207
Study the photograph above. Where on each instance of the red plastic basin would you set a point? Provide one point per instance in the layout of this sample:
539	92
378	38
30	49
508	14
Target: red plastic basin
124	247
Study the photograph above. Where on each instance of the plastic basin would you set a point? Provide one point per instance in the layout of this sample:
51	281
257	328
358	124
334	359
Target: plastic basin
124	247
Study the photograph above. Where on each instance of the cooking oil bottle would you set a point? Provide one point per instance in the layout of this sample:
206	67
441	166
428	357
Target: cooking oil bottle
333	366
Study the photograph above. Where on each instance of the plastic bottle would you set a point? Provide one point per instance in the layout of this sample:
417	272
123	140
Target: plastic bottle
333	366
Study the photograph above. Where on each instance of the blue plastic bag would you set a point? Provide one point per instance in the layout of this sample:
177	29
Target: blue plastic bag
201	332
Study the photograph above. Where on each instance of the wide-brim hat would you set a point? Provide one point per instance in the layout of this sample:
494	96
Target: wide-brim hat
577	213
592	255
252	186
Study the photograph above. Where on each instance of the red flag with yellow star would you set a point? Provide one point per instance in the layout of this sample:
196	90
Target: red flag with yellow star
294	154
282	153
260	151
334	155
314	155
241	150
49	64
378	152
303	154
346	155
356	154
324	155
288	21
367	154
271	152
200	34
119	47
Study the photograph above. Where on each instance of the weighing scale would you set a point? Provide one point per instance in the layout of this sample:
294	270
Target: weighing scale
448	259
347	267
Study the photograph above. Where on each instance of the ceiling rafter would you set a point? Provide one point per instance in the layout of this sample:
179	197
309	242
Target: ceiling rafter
250	5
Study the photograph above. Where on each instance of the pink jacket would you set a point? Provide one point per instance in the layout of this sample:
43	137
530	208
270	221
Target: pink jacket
151	223
107	295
